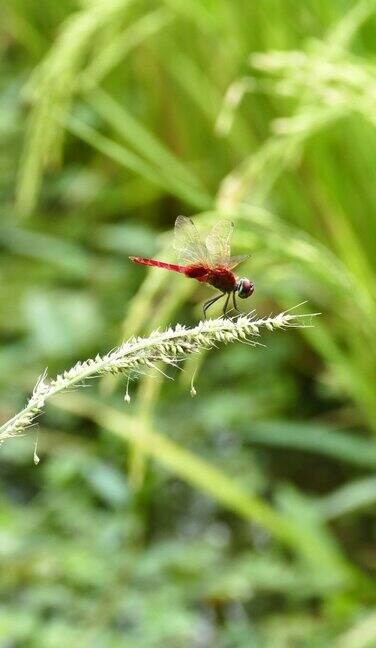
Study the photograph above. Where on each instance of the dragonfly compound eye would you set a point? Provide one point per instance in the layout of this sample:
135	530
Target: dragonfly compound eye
245	288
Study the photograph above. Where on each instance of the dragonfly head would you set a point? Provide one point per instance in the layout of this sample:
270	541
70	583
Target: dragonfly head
245	287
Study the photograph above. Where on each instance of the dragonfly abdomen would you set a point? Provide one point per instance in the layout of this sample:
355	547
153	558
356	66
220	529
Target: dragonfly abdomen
197	271
158	264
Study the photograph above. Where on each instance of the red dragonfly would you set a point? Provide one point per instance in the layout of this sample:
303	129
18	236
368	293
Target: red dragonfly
207	261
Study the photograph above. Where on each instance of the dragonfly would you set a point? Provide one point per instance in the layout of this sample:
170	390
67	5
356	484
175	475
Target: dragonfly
207	260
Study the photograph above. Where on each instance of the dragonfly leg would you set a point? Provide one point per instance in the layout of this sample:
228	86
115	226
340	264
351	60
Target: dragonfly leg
234	302
226	304
210	302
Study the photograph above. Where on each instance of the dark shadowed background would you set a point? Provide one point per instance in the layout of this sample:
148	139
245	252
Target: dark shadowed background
116	116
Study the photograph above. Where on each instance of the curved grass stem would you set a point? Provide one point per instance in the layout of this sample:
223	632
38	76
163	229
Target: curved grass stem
137	354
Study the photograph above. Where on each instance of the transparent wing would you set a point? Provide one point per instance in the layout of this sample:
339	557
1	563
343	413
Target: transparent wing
234	261
218	242
188	244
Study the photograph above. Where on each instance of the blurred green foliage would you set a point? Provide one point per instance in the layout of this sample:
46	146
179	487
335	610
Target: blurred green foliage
244	517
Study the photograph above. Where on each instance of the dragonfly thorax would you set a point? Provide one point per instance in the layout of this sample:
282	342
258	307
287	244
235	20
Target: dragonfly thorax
245	287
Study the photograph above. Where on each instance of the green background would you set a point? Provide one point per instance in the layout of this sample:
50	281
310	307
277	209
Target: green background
116	116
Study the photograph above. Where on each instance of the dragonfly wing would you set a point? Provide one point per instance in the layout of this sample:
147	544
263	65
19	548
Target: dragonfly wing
218	242
234	261
188	244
